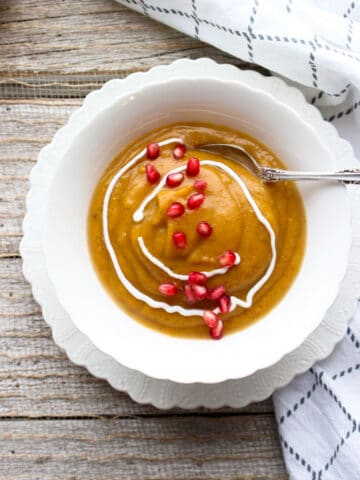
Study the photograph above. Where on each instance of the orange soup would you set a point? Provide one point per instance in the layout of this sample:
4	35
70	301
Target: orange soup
191	243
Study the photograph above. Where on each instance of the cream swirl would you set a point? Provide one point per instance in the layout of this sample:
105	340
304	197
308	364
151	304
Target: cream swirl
139	215
179	276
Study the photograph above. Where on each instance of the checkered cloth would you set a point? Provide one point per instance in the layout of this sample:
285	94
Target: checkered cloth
316	45
319	412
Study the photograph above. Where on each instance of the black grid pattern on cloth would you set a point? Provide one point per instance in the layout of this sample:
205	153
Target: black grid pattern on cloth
354	424
250	36
350	9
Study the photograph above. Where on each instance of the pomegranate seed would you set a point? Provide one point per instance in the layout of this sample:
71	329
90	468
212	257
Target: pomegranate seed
193	167
224	304
228	258
189	294
152	175
174	179
176	209
197	278
200	185
169	289
217	332
200	291
216	292
152	151
195	200
179	239
179	151
210	318
204	229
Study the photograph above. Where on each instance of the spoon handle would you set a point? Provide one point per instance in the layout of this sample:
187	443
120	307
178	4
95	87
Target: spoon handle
351	176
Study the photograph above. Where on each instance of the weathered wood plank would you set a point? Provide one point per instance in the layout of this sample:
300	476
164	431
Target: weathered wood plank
88	36
69	48
25	128
237	447
39	392
36	378
27	10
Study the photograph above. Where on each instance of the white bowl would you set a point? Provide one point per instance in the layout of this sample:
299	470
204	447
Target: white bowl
86	156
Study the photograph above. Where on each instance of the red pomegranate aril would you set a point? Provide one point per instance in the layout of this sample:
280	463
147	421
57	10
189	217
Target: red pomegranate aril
217	332
189	294
197	278
204	229
179	239
216	292
193	167
174	179
210	318
152	175
228	258
200	185
224	303
152	151
168	289
179	151
200	291
175	210
195	200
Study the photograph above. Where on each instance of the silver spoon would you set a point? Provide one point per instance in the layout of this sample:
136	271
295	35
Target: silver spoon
267	174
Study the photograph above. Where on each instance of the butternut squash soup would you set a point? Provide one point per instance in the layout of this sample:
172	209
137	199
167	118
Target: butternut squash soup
192	244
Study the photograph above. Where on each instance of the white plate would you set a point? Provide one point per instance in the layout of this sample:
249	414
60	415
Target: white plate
45	169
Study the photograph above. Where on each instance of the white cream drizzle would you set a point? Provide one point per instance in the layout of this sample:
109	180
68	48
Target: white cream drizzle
139	215
179	276
127	284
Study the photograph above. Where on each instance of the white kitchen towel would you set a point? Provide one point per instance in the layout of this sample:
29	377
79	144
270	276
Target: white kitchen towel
318	415
316	45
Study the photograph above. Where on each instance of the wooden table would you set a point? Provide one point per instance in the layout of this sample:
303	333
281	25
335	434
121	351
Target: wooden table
57	421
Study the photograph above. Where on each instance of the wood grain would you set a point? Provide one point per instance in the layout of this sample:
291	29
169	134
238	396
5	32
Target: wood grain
65	49
56	420
138	448
26	126
90	36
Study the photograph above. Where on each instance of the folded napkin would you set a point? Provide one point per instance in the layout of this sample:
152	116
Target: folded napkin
315	44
